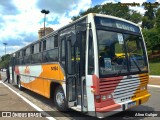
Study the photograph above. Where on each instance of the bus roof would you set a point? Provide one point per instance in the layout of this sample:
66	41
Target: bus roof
89	14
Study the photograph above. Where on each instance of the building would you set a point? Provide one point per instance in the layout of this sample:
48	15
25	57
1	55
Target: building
41	31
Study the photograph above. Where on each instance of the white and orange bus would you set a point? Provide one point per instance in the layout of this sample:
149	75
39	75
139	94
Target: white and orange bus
96	65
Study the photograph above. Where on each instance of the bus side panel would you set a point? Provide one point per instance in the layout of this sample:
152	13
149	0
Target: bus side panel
38	77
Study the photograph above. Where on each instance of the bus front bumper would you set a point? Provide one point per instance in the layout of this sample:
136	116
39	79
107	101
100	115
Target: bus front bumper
110	110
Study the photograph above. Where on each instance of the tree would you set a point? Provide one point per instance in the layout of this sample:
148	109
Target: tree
114	10
148	19
4	63
95	9
152	39
158	20
151	35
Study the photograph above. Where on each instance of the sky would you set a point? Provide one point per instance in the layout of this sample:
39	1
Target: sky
20	20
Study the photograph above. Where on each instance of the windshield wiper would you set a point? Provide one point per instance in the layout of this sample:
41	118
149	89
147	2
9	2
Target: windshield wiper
136	64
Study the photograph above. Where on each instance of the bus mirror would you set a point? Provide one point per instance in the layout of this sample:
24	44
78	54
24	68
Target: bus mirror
73	38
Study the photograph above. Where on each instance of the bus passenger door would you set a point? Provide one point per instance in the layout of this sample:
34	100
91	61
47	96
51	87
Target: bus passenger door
71	73
75	72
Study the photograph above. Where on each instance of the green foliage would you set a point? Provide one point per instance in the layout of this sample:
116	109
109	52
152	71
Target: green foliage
158	20
114	10
148	19
147	23
151	23
154	70
4	63
152	38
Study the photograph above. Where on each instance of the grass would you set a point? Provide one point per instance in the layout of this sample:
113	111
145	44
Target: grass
154	67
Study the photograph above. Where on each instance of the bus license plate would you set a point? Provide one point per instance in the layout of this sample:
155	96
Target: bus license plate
131	104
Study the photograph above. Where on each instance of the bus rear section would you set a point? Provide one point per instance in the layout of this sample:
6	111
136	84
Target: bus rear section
120	82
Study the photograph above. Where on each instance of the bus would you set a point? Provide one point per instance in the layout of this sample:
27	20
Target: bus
96	65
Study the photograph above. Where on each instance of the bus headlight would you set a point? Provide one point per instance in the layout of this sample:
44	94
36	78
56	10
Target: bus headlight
103	97
100	98
143	88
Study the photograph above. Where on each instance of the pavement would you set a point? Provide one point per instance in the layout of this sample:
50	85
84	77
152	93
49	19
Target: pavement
11	102
154	80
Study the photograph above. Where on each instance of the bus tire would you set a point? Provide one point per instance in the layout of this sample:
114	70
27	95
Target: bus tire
59	99
19	84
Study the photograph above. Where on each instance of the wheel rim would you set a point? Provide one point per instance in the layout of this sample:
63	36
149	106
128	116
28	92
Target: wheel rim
19	85
60	98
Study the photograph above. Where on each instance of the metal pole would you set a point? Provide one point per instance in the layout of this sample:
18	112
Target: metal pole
44	24
45	12
5	47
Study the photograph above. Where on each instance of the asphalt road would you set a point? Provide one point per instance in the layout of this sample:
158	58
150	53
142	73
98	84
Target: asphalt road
47	105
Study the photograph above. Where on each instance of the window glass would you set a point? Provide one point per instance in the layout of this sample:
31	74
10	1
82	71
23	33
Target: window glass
50	55
112	59
36	58
27	51
36	48
27	59
90	54
50	43
136	54
20	54
70	58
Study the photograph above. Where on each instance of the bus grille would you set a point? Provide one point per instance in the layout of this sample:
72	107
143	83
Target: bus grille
122	89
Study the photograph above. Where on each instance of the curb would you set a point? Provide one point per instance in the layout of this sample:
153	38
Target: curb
154	76
157	86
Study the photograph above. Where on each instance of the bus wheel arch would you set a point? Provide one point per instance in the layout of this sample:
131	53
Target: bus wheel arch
57	93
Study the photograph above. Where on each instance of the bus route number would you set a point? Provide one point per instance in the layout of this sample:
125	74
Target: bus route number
55	68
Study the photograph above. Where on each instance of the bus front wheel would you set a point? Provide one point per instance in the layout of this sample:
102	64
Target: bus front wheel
59	99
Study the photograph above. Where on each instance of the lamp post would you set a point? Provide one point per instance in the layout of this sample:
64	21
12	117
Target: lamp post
5	44
45	12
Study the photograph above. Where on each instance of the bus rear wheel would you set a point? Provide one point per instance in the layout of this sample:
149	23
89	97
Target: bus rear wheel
19	84
59	99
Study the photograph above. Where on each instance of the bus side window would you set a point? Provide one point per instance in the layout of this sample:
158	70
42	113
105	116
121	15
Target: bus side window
90	54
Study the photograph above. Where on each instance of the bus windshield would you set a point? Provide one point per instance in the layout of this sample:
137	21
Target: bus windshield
120	53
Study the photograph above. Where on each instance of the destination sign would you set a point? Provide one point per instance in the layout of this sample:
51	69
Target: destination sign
116	24
125	27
